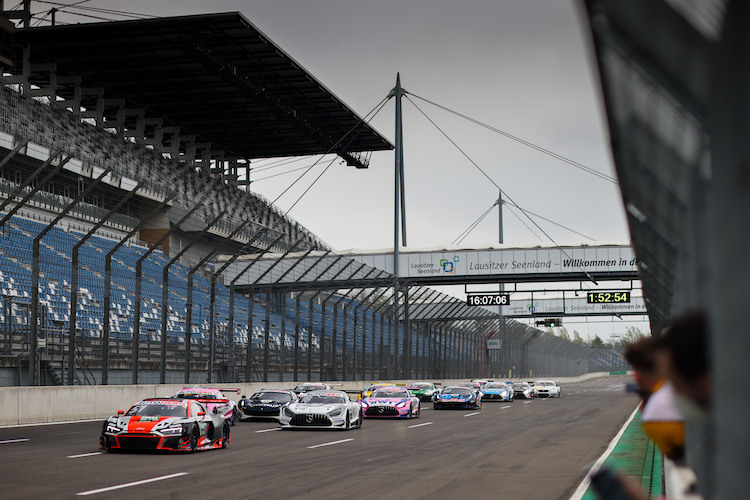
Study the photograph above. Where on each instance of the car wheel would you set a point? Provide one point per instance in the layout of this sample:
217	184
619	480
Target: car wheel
193	440
225	435
348	424
104	443
234	418
419	410
435	406
361	419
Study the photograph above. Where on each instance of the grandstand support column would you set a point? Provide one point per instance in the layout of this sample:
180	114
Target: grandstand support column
211	331
33	191
35	275
165	297
249	361
189	302
137	292
267	334
364	301
310	308
345	333
295	362
215	275
108	283
282	334
72	330
407	336
377	310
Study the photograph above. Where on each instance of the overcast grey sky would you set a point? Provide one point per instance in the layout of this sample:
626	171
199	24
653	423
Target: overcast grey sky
523	66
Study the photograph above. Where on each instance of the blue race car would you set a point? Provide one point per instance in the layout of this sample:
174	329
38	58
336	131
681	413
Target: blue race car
498	390
457	397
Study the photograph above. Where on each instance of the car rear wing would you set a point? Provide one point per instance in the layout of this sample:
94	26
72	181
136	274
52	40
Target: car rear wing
351	392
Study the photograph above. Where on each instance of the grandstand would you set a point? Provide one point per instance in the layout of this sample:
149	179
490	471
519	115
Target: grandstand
148	128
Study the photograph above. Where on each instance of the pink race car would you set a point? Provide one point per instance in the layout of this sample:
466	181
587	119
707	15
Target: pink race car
391	402
214	400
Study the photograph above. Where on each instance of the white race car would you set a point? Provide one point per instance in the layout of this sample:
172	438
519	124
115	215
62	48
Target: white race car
322	410
546	389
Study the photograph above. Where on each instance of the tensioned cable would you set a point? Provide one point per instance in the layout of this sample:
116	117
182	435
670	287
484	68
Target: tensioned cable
521	141
474	224
529	212
487	176
376	110
523	222
101	10
493	182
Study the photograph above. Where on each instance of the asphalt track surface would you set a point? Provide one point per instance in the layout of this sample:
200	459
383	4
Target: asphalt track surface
521	450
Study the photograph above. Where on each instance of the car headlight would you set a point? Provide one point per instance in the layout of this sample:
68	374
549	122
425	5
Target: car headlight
335	412
364	404
172	431
288	412
401	404
113	428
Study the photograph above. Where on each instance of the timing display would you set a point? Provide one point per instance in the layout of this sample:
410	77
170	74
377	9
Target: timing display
607	297
488	299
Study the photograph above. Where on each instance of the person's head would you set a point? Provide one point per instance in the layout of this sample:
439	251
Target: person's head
685	347
641	355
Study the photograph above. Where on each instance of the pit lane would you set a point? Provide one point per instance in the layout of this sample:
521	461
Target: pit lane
526	450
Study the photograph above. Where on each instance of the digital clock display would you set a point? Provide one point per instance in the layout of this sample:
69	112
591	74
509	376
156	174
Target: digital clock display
488	299
608	297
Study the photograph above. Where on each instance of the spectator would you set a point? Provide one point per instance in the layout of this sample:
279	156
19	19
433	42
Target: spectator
685	362
662	421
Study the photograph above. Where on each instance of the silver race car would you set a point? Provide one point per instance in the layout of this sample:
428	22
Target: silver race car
322	410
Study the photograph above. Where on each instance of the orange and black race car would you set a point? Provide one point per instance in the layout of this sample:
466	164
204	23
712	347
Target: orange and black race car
165	424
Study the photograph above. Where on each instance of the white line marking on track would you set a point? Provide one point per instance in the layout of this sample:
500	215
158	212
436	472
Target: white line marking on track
268	430
85	455
584	486
472	414
9	441
418	425
332	442
504	407
127	485
50	423
526	402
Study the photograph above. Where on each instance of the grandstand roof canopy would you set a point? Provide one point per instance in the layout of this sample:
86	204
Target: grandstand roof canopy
216	76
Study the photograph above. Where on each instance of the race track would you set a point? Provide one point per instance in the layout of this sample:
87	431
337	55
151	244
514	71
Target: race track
521	450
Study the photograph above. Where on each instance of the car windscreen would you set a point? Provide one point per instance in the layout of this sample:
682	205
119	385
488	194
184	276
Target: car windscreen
307	388
495	386
330	399
279	397
153	409
389	393
422	385
546	384
521	387
196	395
457	390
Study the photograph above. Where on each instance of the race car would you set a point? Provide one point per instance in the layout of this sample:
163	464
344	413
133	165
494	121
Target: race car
546	389
457	397
266	403
165	424
523	390
391	402
214	400
498	390
368	392
322	410
311	386
424	390
475	386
